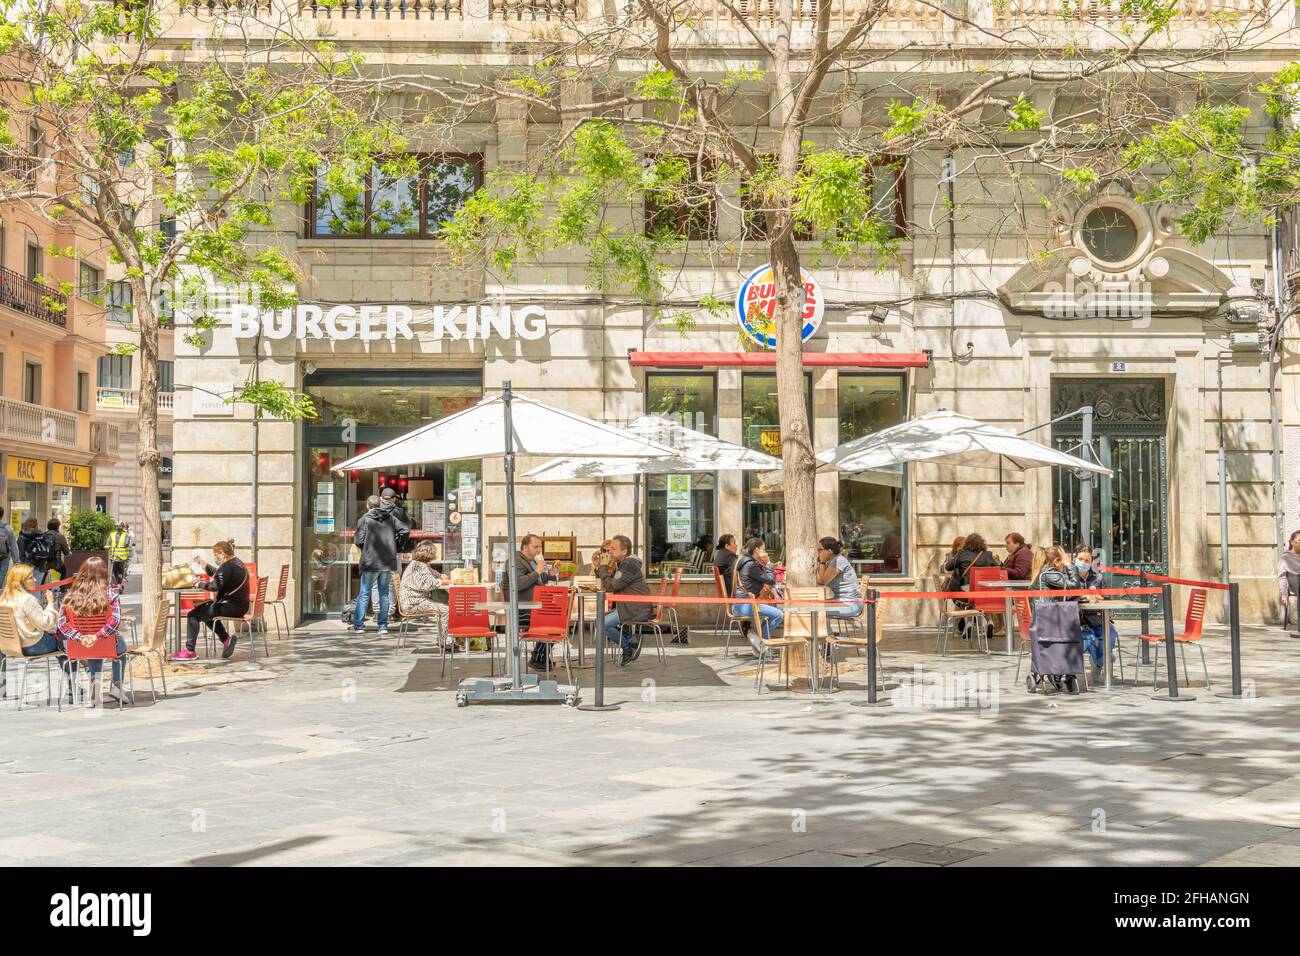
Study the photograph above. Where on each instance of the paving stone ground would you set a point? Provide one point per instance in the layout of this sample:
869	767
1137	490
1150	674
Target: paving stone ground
347	752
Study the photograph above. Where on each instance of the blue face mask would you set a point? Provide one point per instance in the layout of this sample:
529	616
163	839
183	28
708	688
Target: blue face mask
1083	566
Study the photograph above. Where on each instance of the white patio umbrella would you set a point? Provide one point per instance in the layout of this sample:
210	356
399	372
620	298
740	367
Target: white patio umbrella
502	426
693	451
949	438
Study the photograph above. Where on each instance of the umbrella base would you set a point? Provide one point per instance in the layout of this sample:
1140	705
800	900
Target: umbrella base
500	690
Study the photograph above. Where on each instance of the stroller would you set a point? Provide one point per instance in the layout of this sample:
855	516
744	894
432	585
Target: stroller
1055	647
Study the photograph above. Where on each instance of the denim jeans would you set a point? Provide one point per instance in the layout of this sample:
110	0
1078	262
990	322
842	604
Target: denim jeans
97	665
368	580
847	609
45	645
1092	641
772	616
615	635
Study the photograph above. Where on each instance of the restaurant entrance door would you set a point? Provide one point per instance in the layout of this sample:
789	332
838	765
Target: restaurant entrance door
357	410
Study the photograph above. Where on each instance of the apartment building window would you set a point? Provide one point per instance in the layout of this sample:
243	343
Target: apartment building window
166	377
114	371
680	509
889	194
90	282
397	206
32	383
121	302
35	261
692	212
34	140
83	391
167	226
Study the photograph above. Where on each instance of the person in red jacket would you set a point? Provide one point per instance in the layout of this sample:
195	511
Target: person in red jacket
1019	562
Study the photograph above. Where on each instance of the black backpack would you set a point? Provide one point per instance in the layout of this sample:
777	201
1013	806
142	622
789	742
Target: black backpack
40	548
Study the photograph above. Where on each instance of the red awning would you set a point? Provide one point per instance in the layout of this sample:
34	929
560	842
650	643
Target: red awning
768	359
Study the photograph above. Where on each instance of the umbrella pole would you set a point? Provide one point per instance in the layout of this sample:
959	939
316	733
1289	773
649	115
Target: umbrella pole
512	619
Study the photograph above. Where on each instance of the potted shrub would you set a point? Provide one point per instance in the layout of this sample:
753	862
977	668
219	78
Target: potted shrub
88	533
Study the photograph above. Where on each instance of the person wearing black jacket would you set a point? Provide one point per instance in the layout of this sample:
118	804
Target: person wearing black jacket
530	571
724	559
59	552
974	553
620	573
378	536
228	578
754	574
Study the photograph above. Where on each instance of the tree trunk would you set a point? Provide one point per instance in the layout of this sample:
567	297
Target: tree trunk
792	401
148	456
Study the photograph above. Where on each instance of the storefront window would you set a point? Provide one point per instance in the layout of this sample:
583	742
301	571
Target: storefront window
680	508
872	505
358	409
761	425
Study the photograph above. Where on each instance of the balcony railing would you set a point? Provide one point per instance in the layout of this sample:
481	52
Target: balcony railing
104	439
1046	13
18	167
713	14
110	399
24	422
31	298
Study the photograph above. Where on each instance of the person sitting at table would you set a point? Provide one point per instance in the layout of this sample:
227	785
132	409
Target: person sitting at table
1083	575
1019	562
229	579
424	590
531	570
1052	574
1288	565
974	553
92	611
620	573
835	572
724	559
958	543
755	577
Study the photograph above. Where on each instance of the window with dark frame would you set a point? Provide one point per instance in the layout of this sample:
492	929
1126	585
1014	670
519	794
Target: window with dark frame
888	186
166	377
114	371
83	392
121	302
398	207
32	392
90	281
872	506
695	218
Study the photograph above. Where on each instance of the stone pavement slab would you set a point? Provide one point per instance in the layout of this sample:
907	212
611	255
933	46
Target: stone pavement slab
334	752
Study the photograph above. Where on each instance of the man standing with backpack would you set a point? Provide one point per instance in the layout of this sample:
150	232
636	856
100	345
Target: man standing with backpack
8	546
119	552
381	535
37	548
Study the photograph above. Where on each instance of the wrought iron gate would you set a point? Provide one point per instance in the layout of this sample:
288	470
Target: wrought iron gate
1130	519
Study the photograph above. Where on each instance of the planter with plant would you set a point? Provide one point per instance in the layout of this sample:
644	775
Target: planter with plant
88	533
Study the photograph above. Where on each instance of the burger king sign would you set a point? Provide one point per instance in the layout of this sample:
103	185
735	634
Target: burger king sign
756	306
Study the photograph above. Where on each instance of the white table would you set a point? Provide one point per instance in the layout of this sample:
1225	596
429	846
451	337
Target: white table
1107	607
1009	606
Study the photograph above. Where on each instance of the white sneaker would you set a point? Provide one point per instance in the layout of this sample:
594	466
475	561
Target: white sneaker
758	648
383	632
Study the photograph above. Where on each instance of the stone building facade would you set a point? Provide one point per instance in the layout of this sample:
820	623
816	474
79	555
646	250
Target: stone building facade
1158	342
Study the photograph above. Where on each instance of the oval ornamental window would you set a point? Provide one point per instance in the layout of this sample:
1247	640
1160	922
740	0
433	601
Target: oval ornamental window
1109	234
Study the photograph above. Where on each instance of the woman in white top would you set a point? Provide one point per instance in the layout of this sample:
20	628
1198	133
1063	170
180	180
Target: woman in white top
835	572
35	615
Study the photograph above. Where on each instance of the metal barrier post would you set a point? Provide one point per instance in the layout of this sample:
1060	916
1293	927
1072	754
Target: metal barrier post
873	596
1166	597
598	694
1146	619
1234	630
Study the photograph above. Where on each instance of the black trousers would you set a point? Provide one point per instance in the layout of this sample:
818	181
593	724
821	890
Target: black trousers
206	613
119	572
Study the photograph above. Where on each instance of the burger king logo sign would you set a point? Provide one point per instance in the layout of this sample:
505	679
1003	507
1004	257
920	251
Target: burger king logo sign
756	306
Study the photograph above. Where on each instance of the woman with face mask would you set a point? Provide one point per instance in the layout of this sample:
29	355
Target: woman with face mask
1085	576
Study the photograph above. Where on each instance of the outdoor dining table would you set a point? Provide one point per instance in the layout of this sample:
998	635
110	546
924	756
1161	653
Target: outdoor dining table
176	604
502	608
1009	612
1107	607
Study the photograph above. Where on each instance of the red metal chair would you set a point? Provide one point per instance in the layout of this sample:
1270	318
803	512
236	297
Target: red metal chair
256	613
104	649
1193	631
983	607
549	624
1024	617
278	602
465	622
671	609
